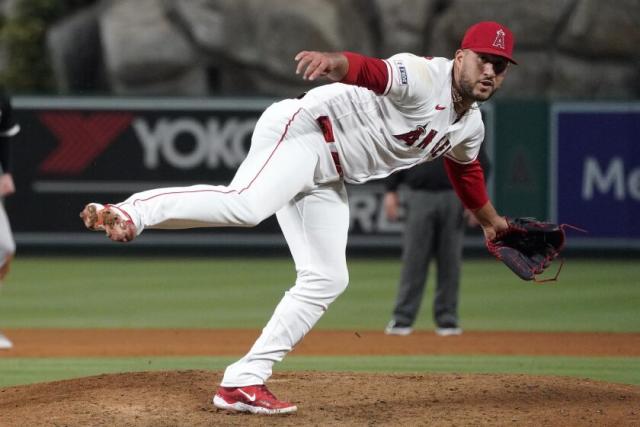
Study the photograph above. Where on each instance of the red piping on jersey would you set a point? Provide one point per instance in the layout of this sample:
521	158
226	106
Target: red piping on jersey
284	134
327	131
327	128
468	181
372	73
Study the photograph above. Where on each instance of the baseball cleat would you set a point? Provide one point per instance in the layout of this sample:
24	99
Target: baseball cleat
5	343
92	216
256	399
115	222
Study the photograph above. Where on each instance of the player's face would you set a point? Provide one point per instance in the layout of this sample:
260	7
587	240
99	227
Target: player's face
481	74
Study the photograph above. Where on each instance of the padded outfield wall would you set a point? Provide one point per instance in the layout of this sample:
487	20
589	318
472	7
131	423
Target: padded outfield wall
567	162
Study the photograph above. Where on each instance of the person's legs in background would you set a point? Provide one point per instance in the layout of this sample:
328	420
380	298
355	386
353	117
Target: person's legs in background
448	253
418	246
7	251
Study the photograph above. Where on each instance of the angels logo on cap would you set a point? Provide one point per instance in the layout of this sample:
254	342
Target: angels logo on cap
499	41
489	37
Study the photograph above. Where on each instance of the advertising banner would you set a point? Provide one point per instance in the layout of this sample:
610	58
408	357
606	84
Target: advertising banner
595	171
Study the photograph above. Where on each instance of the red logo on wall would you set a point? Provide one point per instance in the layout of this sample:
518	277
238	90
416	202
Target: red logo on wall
81	138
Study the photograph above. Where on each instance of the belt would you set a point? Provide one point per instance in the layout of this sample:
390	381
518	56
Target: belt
327	132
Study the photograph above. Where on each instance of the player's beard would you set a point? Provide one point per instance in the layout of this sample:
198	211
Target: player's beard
466	90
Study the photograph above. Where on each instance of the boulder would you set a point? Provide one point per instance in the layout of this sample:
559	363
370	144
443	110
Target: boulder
144	50
603	29
263	37
404	25
581	78
76	52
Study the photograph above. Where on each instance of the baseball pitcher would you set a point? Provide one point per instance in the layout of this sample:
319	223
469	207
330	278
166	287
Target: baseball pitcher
379	116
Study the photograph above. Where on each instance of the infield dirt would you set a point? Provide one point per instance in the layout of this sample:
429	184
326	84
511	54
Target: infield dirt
182	398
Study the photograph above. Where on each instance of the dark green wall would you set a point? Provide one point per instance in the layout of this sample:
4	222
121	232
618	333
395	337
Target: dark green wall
521	158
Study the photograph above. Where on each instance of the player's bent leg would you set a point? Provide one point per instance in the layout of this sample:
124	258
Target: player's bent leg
282	162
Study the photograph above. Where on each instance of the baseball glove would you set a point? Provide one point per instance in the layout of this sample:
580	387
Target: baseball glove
528	247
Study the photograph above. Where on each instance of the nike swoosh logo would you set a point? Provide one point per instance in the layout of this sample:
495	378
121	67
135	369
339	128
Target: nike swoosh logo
251	397
440	107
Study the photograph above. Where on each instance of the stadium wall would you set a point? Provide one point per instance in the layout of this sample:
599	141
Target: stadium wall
568	162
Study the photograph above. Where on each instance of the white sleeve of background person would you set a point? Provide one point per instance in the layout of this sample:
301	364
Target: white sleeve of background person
7	244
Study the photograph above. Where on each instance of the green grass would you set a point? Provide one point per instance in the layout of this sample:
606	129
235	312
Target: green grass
212	292
221	293
612	369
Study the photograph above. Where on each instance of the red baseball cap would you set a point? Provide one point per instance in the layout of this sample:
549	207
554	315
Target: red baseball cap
489	37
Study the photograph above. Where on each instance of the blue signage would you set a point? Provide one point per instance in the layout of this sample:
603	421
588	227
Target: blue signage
595	169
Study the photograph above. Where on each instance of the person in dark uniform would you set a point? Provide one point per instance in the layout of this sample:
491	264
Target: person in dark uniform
8	129
434	229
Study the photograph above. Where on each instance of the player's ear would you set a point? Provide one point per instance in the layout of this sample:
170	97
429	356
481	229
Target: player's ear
459	55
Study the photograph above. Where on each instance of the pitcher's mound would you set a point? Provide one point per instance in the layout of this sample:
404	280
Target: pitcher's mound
182	398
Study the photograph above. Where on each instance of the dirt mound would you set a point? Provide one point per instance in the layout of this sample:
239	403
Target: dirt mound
182	398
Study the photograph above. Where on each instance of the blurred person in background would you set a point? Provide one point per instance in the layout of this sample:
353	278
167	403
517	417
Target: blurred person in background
8	129
434	229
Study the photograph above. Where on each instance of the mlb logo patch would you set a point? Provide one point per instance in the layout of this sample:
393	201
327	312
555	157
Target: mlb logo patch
402	71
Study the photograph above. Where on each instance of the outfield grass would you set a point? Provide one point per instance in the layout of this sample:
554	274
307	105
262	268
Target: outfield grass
133	292
232	293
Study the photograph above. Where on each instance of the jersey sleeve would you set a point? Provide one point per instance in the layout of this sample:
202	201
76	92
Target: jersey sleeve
411	81
464	169
406	79
364	71
468	182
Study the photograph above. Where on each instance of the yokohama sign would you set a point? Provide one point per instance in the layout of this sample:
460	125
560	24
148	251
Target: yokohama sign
75	150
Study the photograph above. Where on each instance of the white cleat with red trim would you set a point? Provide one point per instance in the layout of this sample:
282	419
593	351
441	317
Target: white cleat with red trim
115	222
256	399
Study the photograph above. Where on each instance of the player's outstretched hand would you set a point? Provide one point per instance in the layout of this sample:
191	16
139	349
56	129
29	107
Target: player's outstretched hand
314	64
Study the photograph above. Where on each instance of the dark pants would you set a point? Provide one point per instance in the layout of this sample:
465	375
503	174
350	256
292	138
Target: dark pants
434	229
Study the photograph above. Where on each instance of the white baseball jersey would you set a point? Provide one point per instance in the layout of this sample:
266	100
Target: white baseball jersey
413	121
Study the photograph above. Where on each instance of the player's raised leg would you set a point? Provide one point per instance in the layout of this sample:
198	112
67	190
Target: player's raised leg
281	163
315	226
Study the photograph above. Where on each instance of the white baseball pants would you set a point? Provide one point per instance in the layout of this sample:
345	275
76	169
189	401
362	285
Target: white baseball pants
7	244
288	171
